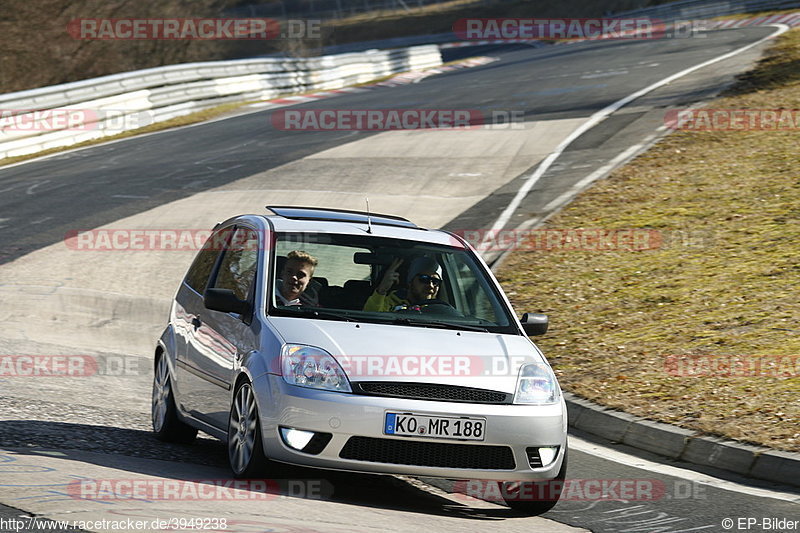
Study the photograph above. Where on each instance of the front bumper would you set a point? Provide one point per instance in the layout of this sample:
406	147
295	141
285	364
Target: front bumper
348	415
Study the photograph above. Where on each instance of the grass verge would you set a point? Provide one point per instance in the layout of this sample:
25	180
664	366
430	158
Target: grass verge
618	316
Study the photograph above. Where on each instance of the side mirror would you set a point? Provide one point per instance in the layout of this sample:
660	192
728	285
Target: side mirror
225	300
534	324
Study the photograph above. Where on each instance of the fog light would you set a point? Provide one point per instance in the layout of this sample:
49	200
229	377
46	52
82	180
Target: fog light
548	455
296	438
310	442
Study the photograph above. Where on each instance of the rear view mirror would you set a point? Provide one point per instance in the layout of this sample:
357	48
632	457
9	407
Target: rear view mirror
534	324
369	258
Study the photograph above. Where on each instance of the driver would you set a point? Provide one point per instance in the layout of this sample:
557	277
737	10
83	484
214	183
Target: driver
425	277
290	289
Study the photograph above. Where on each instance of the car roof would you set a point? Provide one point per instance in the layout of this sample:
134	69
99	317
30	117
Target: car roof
323	220
340	215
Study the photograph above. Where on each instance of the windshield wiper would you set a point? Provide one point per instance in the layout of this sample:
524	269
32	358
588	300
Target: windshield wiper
437	324
311	313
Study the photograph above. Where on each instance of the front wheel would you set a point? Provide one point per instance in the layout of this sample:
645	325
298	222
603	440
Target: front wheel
166	424
245	449
535	497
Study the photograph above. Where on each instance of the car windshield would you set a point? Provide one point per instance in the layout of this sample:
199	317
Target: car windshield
384	280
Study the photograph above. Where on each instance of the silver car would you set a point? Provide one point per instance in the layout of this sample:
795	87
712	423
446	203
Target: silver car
354	341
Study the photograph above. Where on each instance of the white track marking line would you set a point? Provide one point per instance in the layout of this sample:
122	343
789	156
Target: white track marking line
595	119
32	187
602	171
576	443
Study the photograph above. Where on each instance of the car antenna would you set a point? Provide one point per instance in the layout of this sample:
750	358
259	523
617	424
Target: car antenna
369	217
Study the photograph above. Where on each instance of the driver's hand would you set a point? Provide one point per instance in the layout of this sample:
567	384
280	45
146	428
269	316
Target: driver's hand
390	277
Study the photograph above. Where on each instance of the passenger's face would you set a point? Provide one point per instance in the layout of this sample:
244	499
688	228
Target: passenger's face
424	286
295	276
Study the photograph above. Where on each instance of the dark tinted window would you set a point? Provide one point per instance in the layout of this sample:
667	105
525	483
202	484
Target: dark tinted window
238	267
199	272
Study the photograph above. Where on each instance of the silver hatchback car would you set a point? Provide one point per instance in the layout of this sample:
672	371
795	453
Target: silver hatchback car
353	341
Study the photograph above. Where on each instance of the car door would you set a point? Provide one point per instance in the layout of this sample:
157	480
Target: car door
186	317
218	340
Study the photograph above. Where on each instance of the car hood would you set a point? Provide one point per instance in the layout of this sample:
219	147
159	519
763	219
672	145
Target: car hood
381	352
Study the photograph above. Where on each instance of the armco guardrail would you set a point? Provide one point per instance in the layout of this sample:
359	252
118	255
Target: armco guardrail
100	107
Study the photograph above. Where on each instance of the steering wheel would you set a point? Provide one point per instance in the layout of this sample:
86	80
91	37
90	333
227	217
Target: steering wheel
439	307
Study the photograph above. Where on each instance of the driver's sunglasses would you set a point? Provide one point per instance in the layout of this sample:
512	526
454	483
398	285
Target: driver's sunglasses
425	278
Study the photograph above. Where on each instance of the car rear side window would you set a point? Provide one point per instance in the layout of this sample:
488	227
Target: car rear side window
200	271
238	267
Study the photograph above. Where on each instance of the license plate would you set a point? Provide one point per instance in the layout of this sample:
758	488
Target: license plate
438	427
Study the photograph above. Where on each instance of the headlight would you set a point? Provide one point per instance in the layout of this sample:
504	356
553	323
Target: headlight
536	384
311	367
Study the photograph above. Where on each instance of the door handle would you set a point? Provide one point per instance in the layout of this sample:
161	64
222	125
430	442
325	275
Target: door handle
196	322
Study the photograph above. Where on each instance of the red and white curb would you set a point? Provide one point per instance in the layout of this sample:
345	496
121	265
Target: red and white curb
791	19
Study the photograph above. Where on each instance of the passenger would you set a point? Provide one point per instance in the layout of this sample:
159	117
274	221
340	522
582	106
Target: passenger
294	279
425	277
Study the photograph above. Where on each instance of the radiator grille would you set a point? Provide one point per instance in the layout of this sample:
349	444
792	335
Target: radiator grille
443	455
432	391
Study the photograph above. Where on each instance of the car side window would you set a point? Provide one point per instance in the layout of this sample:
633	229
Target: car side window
238	267
200	271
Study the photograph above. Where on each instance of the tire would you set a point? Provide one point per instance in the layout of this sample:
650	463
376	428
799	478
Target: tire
167	426
245	446
537	507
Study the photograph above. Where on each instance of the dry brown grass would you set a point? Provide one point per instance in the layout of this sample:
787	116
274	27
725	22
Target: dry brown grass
38	51
616	316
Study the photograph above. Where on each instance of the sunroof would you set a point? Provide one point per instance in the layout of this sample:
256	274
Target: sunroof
339	215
